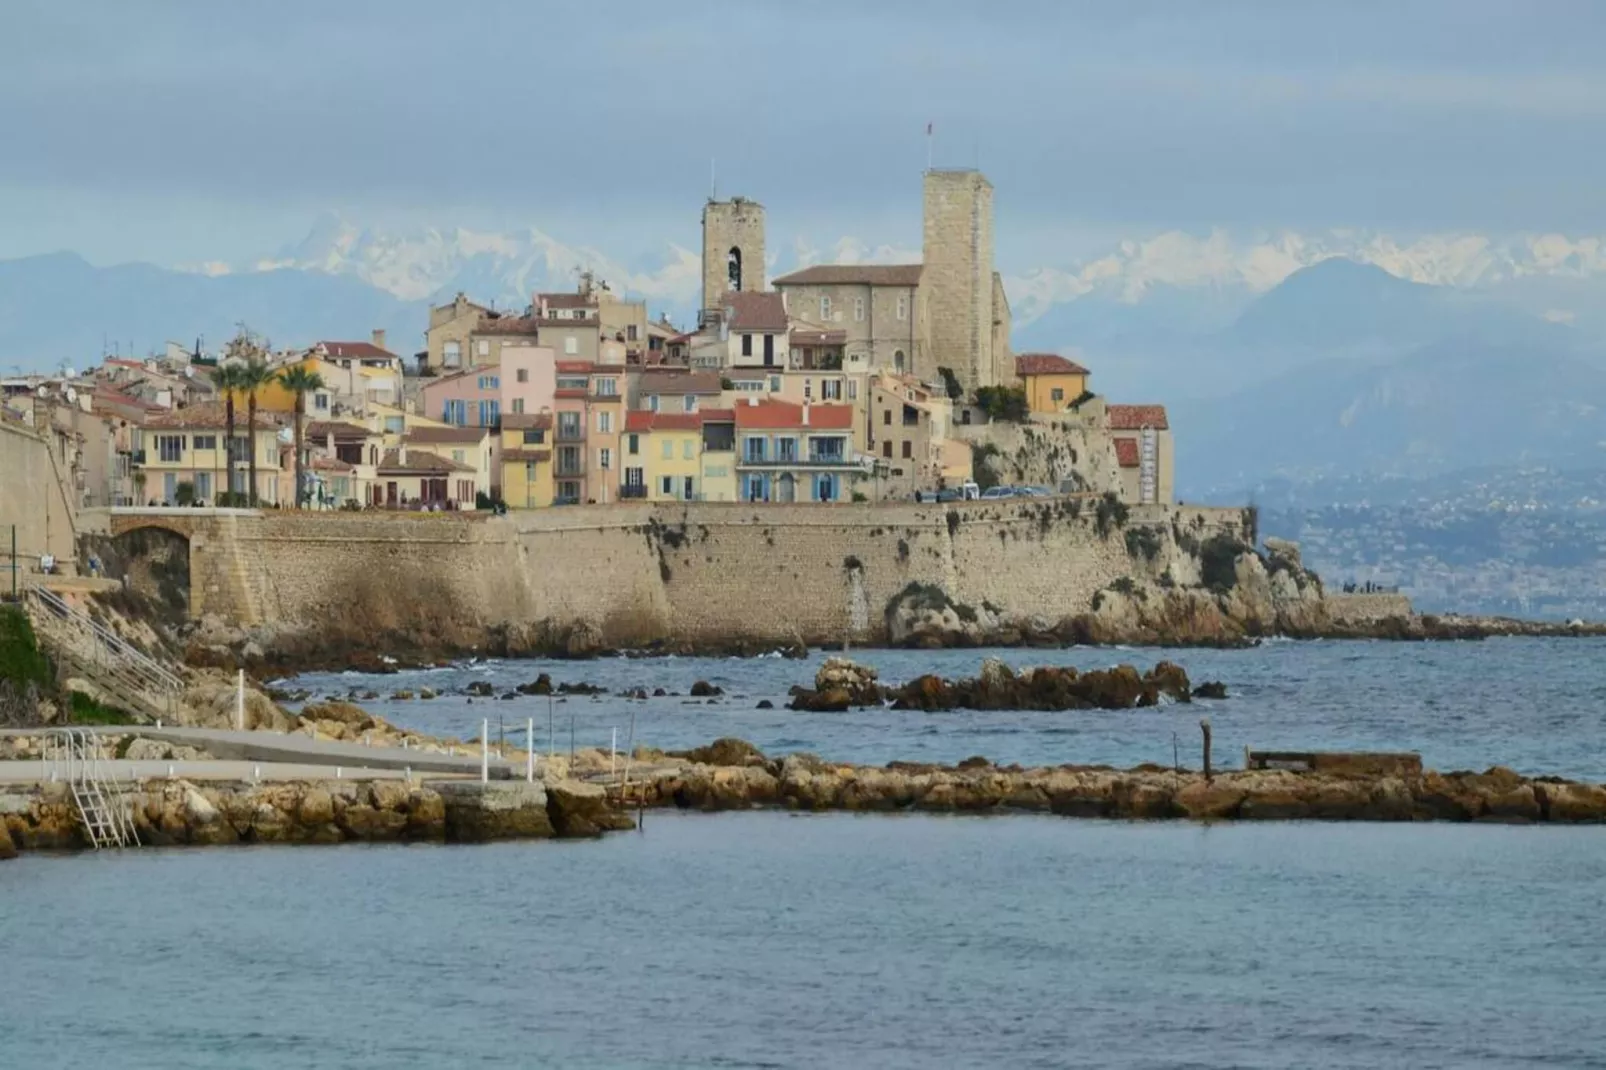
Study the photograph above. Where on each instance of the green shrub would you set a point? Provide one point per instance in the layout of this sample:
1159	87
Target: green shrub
86	710
1003	402
1144	542
1218	562
1112	513
21	661
951	382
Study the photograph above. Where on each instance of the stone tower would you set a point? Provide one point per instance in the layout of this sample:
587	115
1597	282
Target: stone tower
733	248
956	282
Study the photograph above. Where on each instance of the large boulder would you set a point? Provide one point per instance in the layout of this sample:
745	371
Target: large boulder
726	751
577	809
210	702
859	681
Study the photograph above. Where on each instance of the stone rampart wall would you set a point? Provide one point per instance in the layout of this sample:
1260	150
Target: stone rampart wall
1366	608
703	572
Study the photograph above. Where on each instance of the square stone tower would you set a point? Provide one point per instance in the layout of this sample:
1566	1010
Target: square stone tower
956	282
733	248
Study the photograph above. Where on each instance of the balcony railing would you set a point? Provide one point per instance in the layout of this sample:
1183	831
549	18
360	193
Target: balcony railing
571	434
632	490
569	471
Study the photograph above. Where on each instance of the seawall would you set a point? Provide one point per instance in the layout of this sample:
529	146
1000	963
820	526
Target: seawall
625	575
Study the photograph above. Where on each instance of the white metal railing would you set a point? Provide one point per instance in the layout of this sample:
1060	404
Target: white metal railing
76	757
101	652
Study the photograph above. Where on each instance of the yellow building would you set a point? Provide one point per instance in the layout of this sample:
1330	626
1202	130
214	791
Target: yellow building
527	460
1052	383
662	456
179	447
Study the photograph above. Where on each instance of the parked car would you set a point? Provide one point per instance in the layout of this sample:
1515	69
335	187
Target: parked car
993	494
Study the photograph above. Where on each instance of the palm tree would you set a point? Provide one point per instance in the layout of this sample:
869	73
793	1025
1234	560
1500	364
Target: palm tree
300	381
227	379
254	375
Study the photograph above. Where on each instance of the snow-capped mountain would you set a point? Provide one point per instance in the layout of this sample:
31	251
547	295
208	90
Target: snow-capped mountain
506	268
1136	271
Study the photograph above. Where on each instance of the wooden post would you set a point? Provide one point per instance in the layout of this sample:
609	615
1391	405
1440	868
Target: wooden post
1204	727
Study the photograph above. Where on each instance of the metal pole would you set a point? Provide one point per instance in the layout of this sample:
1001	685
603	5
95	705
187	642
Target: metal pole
1204	726
613	751
529	750
551	737
571	735
485	750
239	702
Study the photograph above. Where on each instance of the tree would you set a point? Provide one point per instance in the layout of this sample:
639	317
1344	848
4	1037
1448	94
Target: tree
227	379
254	375
300	381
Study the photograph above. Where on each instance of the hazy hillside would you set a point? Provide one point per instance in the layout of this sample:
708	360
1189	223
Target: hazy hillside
59	308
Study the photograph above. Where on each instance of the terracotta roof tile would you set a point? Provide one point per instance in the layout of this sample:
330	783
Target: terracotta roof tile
329	464
641	420
1047	364
323	428
1126	452
756	311
357	351
676	381
212	415
431	435
1137	417
784	414
809	336
853	274
526	421
505	325
419	462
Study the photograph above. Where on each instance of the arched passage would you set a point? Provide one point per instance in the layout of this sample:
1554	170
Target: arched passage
153	561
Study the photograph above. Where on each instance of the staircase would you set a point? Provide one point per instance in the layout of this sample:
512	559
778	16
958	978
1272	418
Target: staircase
137	681
75	756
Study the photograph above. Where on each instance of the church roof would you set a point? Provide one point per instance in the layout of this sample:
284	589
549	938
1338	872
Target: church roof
853	274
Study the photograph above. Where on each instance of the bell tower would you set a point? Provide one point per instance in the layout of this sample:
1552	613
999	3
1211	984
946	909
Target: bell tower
733	248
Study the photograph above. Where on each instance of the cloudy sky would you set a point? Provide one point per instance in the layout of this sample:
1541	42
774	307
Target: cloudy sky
183	131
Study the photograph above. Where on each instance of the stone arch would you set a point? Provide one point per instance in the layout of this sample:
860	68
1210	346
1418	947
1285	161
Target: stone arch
152	558
898	361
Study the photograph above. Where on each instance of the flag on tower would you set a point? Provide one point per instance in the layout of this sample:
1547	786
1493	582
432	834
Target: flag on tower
928	129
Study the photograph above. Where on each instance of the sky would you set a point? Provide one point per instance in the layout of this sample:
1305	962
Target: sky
177	132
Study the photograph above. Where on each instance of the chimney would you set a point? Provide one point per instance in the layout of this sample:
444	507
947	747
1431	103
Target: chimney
805	412
379	339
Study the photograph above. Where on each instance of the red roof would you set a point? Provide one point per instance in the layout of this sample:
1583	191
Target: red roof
569	392
357	350
1137	417
752	311
418	462
1046	364
575	366
784	414
644	420
321	429
1126	452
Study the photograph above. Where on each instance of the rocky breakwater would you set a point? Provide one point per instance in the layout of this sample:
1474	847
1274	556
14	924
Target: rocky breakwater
731	774
181	812
840	684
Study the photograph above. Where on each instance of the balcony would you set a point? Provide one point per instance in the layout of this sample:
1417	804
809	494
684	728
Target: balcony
632	490
569	471
570	434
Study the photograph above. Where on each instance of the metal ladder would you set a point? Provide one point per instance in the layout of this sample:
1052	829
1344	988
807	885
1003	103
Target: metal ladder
75	756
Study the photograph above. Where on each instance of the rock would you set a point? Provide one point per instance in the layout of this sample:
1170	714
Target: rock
835	701
764	704
317	807
577	809
1169	679
859	681
1211	689
726	751
427	693
659	692
541	685
1283	550
8	849
928	692
704	689
140	749
343	713
499	810
480	689
401	696
581	688
510	696
210	702
975	762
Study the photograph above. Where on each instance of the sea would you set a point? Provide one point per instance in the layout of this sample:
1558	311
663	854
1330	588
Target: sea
771	939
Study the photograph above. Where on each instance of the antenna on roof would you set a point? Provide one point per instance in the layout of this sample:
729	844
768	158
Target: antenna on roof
713	182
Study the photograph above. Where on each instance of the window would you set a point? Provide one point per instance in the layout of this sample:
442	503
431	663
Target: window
634	477
1056	394
203	486
853	390
568	425
775	384
753	449
908	448
571	382
667	486
630	333
490	382
886	447
490	413
825	309
452	354
830	389
747	345
605	458
169	448
858	309
522	375
886	416
454	412
897	359
687	486
608	388
633	445
571	344
395	425
769	350
668	449
320	402
483	347
568	460
903	306
786	449
688	449
652	402
825	488
534	436
605	423
529	470
518	405
689	403
203	442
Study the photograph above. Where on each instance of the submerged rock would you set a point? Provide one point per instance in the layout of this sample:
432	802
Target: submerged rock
1212	689
704	689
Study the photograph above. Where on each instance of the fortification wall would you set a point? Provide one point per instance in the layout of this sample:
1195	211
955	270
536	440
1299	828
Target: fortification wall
33	498
631	574
1361	609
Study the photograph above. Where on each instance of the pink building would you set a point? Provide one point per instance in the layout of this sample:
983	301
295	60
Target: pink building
529	377
471	398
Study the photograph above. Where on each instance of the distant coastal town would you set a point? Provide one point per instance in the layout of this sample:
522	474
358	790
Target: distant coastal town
837	383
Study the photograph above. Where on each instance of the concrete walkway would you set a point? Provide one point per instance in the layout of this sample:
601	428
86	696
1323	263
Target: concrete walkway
120	769
250	748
